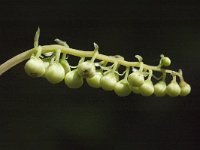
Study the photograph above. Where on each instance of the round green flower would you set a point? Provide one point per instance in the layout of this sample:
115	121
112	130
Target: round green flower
185	88
146	89
122	88
136	79
108	81
55	73
86	69
95	80
34	67
165	61
160	88
135	89
73	79
173	89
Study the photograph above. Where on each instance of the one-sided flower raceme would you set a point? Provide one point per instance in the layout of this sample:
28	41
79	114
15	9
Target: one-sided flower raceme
55	69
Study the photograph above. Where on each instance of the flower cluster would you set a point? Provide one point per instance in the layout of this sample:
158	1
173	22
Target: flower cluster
136	78
99	71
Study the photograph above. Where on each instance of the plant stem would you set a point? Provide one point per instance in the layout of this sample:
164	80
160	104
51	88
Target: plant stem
79	53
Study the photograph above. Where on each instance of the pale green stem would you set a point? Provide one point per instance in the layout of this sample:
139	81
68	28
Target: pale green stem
64	56
127	73
164	76
174	78
161	57
141	66
81	60
57	55
150	75
181	73
115	66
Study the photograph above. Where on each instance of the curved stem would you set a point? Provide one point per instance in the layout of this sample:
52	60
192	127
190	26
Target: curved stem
79	53
14	61
57	55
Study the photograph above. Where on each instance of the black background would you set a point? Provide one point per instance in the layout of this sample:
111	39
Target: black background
35	114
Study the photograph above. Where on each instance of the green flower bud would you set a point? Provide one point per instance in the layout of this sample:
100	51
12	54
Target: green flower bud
34	67
165	61
108	81
136	79
135	89
46	64
73	79
185	88
55	73
65	65
173	89
160	88
146	89
95	80
122	88
86	69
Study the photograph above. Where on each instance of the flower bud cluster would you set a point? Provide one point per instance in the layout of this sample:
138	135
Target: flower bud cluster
56	68
159	89
50	62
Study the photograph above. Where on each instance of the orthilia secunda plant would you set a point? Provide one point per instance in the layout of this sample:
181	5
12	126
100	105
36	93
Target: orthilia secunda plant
51	62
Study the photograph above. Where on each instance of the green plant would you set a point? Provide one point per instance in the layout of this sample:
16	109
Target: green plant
98	74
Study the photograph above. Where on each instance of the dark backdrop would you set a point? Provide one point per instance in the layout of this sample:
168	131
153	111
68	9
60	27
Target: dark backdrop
36	115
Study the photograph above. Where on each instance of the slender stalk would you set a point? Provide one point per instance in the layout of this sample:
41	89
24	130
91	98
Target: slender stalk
79	53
